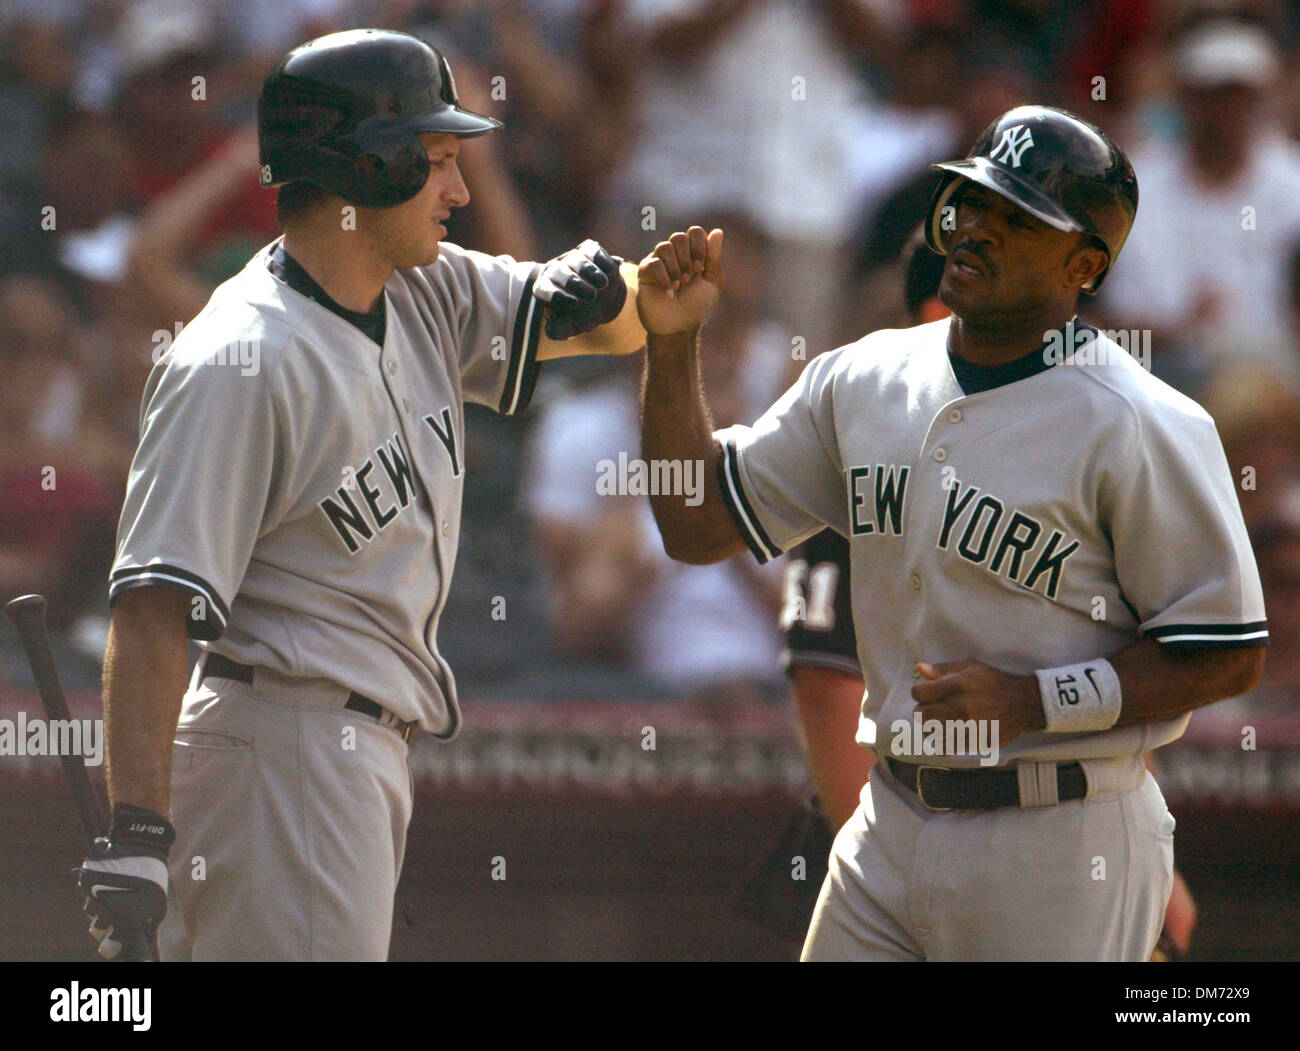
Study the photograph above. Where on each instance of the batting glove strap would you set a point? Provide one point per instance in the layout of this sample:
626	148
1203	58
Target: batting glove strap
583	289
121	871
135	830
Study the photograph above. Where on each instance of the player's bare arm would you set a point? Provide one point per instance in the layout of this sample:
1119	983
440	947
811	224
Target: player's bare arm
830	704
622	335
146	670
678	285
1156	683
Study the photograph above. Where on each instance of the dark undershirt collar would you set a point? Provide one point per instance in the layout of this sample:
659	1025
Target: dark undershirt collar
285	267
974	379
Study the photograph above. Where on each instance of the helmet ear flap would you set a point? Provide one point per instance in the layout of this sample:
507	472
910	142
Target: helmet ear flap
943	214
390	174
370	183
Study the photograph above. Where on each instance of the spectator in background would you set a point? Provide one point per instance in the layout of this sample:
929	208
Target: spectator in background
92	224
1257	410
168	112
90	243
36	71
757	103
62	469
1277	548
1043	32
173	260
611	129
260	32
89	250
687	631
35	75
979	81
1117	41
553	70
1277	553
1206	265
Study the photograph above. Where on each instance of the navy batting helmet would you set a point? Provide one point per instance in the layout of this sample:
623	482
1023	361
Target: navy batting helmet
1054	165
344	113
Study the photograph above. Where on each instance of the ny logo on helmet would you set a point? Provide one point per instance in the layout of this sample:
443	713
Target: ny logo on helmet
1011	147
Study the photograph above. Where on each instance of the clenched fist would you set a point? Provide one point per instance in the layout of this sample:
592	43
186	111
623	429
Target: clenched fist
970	689
680	282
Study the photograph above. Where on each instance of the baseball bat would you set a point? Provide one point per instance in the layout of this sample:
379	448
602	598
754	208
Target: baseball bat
27	614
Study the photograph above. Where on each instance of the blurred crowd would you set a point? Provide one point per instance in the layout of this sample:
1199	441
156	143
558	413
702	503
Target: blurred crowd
128	191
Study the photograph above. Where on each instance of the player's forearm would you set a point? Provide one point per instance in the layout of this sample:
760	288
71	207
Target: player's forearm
829	704
146	671
623	335
1157	682
676	427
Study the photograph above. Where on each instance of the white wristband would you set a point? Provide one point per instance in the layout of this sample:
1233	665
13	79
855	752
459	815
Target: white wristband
1080	698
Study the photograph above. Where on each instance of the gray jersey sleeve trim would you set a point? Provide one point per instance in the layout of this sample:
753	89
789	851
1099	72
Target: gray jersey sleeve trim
733	495
1212	636
521	373
209	627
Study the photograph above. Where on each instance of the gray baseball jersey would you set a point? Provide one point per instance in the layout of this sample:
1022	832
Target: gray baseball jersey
304	483
1041	523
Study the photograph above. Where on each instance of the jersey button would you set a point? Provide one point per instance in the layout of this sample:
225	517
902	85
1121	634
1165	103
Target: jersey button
954	416
446	528
392	368
915	582
940	455
406	405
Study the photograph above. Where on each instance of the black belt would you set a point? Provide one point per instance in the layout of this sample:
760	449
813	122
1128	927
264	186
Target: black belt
941	788
225	668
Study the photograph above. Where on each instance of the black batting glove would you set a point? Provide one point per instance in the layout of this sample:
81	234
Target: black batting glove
582	289
124	882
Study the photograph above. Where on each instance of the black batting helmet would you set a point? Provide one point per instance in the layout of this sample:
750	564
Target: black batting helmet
1054	165
344	112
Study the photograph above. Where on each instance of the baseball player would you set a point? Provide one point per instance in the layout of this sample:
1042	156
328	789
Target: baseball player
1049	567
294	504
821	659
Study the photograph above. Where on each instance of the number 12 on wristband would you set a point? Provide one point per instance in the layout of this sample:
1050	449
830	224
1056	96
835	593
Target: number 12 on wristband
1079	698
